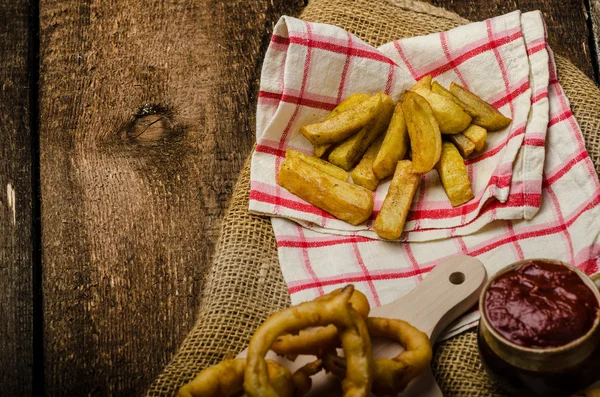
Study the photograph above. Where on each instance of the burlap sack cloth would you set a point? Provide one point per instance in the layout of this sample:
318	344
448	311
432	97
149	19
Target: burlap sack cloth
244	285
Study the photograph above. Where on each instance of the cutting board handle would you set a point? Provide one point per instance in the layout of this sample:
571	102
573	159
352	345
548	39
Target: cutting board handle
448	291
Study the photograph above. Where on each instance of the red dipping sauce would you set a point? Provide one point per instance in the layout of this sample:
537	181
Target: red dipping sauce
540	305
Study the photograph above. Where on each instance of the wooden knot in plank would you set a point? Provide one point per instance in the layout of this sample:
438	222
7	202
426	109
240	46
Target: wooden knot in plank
151	125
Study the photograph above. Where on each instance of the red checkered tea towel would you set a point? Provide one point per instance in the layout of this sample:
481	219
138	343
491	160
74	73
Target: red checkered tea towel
536	191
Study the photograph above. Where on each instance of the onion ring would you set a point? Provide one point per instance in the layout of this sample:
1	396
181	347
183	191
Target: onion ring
316	341
333	309
301	377
226	379
391	376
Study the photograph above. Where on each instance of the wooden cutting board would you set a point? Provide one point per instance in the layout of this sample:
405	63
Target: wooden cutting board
447	292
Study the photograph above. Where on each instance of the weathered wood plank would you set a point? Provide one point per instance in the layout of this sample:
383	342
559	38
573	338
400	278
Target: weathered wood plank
144	127
16	297
593	14
565	19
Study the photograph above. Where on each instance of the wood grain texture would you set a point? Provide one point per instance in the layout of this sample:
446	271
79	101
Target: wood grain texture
146	118
593	14
16	297
568	33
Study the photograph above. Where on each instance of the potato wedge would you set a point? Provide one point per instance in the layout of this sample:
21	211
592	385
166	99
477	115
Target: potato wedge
346	104
477	135
463	144
342	125
390	220
453	174
451	118
394	146
345	201
424	83
485	115
321	164
440	90
347	154
363	174
424	132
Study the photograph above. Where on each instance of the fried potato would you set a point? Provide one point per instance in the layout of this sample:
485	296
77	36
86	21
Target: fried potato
484	114
320	150
453	174
342	125
346	104
363	174
451	118
321	164
440	90
424	83
394	146
390	220
423	130
477	135
345	201
348	153
463	144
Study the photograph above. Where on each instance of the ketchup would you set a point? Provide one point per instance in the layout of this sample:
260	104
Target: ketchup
540	305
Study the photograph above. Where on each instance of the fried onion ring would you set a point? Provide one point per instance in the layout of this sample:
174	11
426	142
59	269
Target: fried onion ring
315	341
391	376
301	377
333	308
226	379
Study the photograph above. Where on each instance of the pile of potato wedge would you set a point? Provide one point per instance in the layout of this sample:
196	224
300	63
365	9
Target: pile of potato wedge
375	138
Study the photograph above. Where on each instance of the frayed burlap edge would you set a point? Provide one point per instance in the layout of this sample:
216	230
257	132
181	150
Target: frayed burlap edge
244	284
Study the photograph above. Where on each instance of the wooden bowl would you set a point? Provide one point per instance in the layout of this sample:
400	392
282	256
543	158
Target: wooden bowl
524	371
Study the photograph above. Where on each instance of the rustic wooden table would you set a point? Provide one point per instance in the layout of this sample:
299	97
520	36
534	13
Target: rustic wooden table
123	126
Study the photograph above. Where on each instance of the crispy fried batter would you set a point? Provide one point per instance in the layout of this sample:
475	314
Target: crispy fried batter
315	341
391	376
226	379
333	308
301	377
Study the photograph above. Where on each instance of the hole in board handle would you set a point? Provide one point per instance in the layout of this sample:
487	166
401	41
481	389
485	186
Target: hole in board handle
457	278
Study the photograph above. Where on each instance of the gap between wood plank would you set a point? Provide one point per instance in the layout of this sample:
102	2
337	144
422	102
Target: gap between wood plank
592	39
33	64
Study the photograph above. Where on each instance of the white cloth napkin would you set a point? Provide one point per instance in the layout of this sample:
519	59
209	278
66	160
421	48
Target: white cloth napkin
536	191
